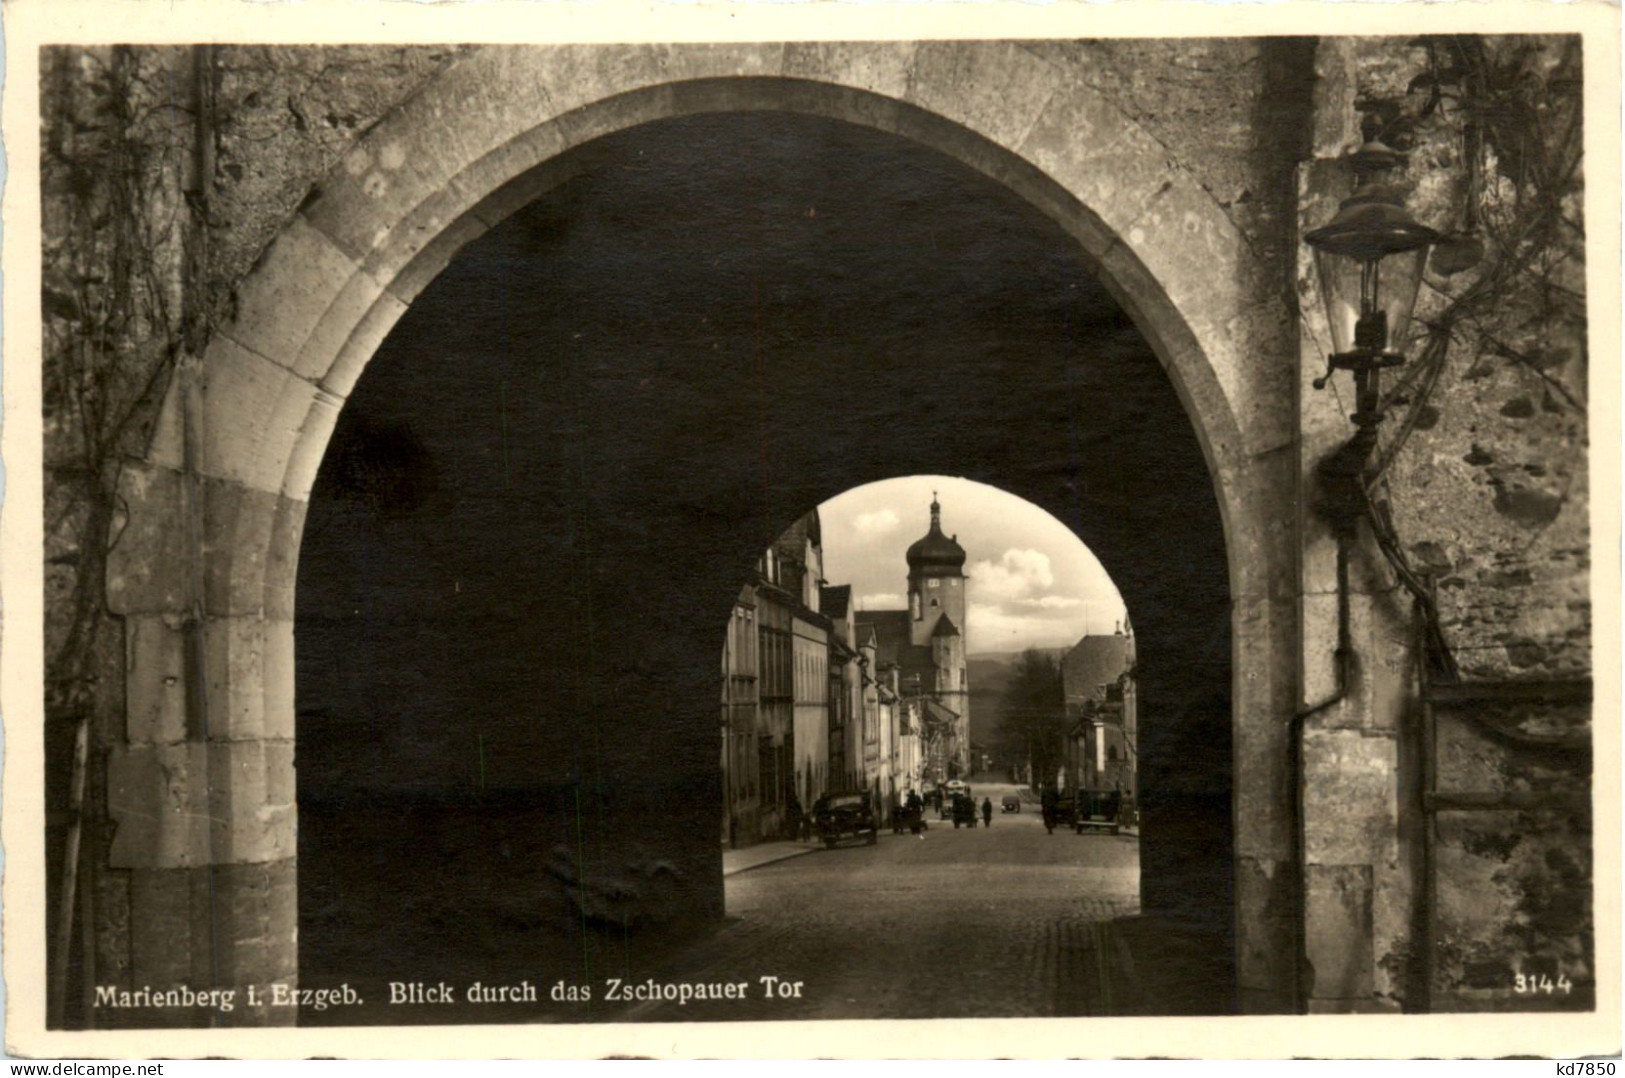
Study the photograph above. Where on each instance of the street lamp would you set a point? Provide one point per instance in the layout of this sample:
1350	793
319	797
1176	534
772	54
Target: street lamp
1369	259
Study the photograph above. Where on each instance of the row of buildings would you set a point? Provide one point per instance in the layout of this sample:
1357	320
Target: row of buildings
1102	713
818	696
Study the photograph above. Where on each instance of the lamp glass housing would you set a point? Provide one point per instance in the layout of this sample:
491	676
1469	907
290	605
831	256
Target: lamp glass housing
1351	288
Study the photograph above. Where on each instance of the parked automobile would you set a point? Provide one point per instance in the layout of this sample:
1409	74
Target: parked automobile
1010	803
843	815
1100	810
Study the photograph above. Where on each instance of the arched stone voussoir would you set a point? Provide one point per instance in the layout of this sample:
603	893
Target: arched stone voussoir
1087	145
501	124
301	301
1209	272
483	101
878	67
996	89
256	414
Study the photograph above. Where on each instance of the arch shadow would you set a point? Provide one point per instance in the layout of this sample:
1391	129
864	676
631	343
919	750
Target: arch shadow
527	581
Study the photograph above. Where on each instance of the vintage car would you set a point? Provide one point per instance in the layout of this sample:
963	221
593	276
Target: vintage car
1010	803
964	811
1099	810
846	815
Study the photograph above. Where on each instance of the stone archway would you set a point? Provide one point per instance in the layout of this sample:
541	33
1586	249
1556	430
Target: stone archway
205	786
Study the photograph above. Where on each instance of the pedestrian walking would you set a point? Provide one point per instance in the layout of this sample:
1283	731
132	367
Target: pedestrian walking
796	819
987	812
1047	802
916	813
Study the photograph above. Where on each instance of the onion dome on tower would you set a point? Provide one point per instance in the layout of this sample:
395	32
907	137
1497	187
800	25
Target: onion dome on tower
936	554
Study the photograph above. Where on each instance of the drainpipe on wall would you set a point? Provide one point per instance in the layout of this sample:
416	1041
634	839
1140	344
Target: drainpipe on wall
1343	657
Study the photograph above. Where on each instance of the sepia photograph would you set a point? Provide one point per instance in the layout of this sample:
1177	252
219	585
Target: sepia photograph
710	533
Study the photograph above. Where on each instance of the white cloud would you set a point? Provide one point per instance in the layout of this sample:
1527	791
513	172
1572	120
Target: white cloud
1052	602
883	600
878	522
1016	575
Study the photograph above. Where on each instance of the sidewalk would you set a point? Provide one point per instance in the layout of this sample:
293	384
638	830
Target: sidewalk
763	853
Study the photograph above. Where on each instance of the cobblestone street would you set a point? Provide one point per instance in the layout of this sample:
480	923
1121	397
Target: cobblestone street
1000	921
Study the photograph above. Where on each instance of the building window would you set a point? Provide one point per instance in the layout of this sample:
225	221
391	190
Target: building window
914	604
932	583
933	604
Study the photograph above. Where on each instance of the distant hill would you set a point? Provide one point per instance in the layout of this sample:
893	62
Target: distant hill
989	672
1008	658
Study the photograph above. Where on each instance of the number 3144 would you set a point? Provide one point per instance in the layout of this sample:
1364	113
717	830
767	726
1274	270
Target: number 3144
1528	983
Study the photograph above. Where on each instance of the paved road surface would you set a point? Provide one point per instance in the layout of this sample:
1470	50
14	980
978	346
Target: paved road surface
998	921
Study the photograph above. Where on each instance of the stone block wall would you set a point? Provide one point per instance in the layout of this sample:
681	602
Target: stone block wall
1491	495
164	176
1486	488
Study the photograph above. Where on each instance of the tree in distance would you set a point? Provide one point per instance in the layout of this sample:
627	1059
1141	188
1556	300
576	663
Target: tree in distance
1032	715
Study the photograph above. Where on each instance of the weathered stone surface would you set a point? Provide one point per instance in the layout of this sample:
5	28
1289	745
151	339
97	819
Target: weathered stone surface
1263	544
155	698
577	75
301	278
882	67
1518	901
1338	915
1264	798
161	923
1381	669
248	669
282	558
310	446
222	927
1267	902
287	115
426	246
365	337
997	89
254	410
237	531
1088	146
191	804
146	567
1349	797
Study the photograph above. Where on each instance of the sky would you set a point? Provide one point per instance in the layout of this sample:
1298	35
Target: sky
1032	581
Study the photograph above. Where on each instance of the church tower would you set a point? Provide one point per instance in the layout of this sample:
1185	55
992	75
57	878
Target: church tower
936	610
936	581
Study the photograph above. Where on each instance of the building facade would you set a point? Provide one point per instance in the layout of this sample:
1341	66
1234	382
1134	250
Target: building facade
926	645
1102	711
